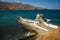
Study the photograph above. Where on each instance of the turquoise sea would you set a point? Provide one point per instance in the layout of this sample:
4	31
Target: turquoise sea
9	28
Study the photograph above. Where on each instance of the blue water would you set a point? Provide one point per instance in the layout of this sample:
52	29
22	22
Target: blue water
9	25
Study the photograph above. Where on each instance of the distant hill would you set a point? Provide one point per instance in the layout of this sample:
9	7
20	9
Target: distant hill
18	6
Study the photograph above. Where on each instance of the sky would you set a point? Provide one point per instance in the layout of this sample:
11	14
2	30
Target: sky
48	4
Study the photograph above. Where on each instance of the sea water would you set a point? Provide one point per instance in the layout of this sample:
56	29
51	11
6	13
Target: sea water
9	27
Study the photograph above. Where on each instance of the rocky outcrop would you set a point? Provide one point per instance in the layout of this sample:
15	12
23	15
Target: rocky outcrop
51	35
